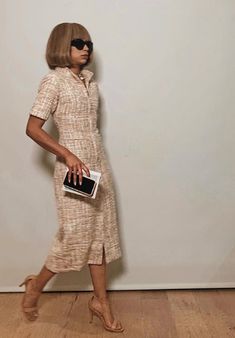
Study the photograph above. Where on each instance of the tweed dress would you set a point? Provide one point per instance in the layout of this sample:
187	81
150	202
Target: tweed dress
86	226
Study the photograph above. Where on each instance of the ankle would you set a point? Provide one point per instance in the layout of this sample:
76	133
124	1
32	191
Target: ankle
37	286
102	299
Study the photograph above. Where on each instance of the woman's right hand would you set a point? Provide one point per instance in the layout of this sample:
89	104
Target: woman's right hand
75	165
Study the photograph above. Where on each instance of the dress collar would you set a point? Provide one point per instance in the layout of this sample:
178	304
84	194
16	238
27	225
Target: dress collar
87	74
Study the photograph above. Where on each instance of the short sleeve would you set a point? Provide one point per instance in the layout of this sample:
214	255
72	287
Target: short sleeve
47	97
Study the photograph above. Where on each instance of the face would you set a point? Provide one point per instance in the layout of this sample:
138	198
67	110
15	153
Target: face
80	57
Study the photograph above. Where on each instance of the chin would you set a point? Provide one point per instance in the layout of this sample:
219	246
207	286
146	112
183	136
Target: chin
85	62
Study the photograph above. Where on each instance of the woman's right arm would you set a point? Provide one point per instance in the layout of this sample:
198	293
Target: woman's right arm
43	106
35	132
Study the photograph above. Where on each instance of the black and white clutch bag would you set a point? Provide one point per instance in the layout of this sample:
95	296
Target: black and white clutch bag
89	185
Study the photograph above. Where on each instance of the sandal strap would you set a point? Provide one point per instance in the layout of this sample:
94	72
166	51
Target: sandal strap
115	322
30	309
33	292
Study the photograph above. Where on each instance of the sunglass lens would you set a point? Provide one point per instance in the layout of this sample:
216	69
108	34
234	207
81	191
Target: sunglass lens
90	45
79	44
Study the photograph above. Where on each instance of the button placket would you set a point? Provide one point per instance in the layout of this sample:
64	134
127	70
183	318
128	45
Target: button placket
89	108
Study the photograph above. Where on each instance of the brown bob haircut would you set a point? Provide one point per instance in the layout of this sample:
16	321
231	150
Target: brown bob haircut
59	44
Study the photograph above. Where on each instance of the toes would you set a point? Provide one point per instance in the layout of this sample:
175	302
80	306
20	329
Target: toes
31	313
116	324
31	316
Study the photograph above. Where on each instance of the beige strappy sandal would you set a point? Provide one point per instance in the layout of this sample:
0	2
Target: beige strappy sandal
31	313
113	328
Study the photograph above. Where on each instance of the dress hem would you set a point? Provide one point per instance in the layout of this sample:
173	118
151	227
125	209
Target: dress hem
79	268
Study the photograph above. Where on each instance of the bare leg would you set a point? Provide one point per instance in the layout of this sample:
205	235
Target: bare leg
43	277
98	276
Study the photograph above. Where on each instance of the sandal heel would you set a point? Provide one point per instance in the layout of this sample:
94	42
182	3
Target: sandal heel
23	283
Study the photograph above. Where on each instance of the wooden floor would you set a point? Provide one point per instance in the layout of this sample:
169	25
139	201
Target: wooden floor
144	314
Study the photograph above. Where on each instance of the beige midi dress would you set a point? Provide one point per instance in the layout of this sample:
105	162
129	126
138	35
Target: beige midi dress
86	225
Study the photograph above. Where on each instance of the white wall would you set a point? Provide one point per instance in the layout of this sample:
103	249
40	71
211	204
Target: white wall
166	75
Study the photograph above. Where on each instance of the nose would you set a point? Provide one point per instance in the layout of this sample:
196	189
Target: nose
85	47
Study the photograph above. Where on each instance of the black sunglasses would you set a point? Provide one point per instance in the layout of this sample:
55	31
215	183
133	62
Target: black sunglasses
79	44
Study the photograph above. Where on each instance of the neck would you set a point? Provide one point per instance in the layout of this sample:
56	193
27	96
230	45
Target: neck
75	69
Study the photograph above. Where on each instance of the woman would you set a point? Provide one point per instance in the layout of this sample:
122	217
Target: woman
88	229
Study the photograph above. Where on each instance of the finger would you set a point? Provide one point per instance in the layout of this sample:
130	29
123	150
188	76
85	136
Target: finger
69	174
75	175
87	170
80	175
